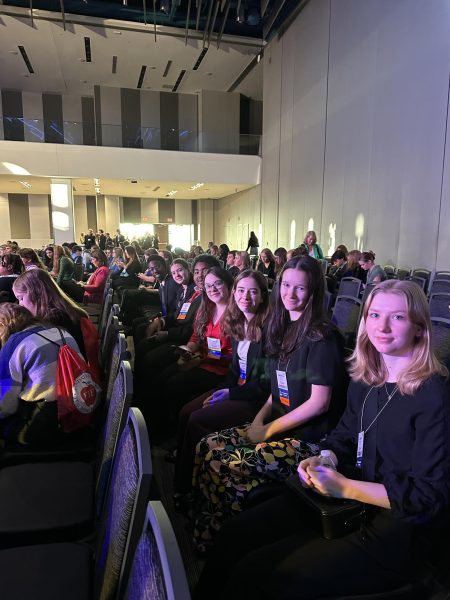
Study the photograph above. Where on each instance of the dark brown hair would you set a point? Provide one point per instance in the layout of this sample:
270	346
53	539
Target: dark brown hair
14	318
207	307
284	336
234	321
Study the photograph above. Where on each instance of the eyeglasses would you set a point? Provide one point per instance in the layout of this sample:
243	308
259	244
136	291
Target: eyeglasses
217	285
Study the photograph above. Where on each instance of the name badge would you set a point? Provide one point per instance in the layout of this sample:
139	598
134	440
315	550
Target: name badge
360	450
242	372
183	311
214	350
283	389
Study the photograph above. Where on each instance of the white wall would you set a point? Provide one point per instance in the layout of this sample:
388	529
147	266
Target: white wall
235	216
355	109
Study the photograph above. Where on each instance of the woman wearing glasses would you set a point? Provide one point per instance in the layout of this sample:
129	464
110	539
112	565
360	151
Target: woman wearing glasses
204	360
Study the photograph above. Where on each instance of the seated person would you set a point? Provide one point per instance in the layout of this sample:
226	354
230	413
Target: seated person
155	354
10	268
30	259
28	367
76	255
375	273
266	265
127	277
158	290
337	270
92	290
399	470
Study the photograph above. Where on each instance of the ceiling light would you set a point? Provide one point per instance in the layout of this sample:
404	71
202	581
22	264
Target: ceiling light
97	190
97	181
196	186
25	184
171	193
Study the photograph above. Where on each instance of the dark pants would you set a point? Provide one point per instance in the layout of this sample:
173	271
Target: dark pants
273	551
195	422
169	392
132	302
72	289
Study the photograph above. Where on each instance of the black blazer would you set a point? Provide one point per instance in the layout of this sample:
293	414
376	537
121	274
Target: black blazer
257	385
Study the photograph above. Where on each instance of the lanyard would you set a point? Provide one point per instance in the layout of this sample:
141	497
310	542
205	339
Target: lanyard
362	432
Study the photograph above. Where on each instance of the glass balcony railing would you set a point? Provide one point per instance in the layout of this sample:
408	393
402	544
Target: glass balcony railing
123	136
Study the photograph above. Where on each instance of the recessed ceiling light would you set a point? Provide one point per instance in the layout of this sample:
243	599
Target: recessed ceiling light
196	186
172	193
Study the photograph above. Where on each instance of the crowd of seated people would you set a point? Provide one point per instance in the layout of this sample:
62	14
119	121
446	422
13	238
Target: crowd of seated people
244	393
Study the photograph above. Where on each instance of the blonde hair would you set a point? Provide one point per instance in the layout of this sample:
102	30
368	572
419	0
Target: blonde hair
366	362
14	318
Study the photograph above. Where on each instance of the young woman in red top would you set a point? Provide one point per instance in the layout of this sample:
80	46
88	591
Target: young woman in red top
208	347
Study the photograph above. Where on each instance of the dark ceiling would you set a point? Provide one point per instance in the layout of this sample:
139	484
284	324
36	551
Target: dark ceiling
250	18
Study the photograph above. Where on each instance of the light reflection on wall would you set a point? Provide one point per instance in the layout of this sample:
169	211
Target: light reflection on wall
292	236
310	225
331	238
133	231
60	220
359	232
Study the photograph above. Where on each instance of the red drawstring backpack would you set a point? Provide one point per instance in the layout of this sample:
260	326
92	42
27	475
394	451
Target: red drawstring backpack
78	389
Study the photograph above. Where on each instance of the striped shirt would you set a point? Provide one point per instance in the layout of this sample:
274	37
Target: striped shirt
28	367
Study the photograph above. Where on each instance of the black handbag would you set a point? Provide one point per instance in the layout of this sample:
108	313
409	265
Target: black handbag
336	517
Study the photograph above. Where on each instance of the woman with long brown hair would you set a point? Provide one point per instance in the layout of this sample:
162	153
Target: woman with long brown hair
209	349
129	269
38	292
63	267
241	395
30	259
307	382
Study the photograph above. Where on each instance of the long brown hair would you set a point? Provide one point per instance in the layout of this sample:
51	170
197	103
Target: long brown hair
14	318
132	255
50	303
207	307
234	321
366	363
30	254
58	252
284	336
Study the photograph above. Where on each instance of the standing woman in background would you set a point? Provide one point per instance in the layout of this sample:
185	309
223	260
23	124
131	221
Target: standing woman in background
308	384
252	244
312	246
63	267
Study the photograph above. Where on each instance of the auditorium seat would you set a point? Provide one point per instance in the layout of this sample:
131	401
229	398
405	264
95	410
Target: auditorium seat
346	313
350	286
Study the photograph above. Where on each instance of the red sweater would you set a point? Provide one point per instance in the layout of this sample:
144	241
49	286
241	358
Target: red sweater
93	290
214	365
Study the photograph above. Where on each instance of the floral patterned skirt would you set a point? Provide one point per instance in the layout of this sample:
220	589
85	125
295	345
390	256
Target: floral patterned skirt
228	466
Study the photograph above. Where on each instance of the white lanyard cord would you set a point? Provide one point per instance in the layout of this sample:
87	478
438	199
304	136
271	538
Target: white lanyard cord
390	396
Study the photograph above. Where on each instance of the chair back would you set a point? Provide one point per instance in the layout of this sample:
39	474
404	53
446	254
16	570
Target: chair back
119	353
440	339
442	275
327	302
125	508
440	285
369	287
157	572
116	416
104	312
425	274
421	282
346	313
107	340
403	273
440	305
350	286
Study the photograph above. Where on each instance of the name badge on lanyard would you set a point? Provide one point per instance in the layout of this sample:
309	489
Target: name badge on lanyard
183	311
242	371
360	450
214	350
283	389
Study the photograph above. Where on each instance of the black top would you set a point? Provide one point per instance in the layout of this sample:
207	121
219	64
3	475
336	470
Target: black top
412	446
313	363
255	387
269	271
89	241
